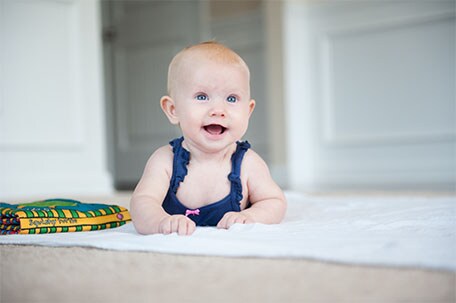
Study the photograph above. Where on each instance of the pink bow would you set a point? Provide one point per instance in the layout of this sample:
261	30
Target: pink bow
195	212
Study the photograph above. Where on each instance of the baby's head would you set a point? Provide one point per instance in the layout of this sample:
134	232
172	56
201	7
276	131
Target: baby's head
183	63
209	93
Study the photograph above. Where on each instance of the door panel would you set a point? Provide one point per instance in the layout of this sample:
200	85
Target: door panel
371	95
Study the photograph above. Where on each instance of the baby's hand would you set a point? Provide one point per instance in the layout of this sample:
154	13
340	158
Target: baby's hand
234	217
177	223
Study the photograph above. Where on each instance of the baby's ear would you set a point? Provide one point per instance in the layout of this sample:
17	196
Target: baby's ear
169	108
251	106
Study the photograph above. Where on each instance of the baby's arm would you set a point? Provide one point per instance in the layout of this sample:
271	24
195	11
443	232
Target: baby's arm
147	213
267	199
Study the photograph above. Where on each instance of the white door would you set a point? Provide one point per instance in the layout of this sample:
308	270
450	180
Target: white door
51	100
141	38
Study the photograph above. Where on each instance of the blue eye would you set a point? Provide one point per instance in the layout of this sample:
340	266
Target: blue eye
231	99
201	97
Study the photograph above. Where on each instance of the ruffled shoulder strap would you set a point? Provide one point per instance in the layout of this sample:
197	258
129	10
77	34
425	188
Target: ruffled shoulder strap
180	162
235	175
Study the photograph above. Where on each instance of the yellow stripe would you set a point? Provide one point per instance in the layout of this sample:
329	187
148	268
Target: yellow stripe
81	214
102	211
21	214
58	222
67	213
69	229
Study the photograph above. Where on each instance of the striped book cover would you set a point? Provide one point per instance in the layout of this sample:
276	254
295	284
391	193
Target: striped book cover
59	215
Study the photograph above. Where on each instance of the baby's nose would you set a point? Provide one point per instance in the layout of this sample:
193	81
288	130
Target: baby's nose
217	112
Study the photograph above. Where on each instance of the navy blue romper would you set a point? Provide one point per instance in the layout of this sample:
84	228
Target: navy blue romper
208	215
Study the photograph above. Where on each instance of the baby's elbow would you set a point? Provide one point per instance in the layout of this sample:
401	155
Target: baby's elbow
281	206
141	229
138	221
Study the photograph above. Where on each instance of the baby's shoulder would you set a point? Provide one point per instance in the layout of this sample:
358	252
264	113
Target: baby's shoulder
253	162
164	151
162	156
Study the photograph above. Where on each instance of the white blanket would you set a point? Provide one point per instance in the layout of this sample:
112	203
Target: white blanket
393	231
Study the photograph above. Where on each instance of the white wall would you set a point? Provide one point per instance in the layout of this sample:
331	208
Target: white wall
275	90
370	89
52	131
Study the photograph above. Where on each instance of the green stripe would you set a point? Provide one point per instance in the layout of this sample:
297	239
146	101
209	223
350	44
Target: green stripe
64	229
116	208
53	230
78	228
74	213
29	214
43	230
60	212
108	210
32	231
50	214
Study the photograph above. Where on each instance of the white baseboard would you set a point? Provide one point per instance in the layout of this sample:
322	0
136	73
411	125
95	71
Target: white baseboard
428	181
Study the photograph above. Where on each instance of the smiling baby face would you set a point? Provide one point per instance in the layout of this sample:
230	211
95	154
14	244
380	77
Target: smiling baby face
209	96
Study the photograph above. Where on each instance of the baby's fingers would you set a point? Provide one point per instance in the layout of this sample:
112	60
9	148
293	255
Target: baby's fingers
177	223
186	227
165	226
222	223
227	220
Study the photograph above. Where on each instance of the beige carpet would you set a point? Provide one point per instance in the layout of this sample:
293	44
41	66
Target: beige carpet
75	274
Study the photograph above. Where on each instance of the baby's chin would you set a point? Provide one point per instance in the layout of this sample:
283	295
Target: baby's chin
213	143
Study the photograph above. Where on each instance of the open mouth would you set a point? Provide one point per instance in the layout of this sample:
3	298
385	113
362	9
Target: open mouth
214	129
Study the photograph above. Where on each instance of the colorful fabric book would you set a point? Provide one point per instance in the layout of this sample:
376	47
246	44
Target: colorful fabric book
59	215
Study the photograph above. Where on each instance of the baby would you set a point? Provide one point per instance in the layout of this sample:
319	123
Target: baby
208	177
